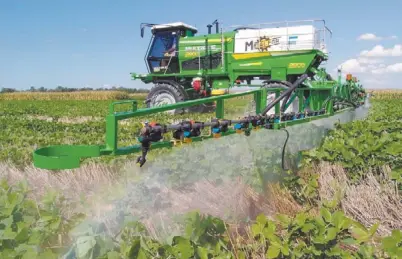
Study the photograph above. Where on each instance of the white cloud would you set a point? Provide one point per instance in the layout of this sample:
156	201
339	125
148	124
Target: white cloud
365	66
371	66
372	36
352	66
369	61
374	67
360	65
380	51
368	36
394	68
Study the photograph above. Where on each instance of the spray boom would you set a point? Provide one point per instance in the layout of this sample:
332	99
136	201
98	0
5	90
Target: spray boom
152	134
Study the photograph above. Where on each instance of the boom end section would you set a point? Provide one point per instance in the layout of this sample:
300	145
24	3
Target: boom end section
60	157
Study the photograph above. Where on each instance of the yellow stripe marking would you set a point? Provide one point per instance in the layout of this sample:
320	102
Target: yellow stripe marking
250	55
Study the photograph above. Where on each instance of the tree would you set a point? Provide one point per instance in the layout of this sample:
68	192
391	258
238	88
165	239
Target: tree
8	90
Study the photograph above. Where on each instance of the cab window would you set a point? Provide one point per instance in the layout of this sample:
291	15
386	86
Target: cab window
163	41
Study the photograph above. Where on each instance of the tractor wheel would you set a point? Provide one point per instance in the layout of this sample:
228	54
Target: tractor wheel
294	107
163	94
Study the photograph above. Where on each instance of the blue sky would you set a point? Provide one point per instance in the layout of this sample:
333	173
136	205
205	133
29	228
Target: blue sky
96	43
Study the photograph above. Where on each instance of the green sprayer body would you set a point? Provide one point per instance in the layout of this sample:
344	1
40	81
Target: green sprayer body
190	72
185	66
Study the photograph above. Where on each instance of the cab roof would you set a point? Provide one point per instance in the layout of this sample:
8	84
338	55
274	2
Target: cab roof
178	25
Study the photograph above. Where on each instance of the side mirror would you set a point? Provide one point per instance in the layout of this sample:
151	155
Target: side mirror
143	25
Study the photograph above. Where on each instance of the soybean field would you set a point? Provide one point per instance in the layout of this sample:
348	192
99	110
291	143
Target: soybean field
337	196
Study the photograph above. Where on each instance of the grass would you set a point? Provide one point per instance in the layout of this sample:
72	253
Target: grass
370	201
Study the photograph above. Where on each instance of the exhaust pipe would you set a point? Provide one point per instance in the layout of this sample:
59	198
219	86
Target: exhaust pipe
209	28
216	23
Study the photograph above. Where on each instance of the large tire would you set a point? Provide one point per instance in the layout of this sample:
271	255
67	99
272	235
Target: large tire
162	94
294	107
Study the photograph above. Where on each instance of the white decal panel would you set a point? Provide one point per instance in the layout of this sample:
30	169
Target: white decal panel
277	39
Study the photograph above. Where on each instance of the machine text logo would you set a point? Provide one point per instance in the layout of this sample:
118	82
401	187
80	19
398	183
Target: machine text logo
297	65
262	44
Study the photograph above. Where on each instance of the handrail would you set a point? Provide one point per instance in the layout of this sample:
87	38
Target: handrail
320	39
279	22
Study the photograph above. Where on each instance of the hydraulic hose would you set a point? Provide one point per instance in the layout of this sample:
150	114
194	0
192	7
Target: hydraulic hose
285	101
284	94
343	100
284	148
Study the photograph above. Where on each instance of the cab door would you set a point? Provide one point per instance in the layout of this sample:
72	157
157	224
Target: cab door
162	56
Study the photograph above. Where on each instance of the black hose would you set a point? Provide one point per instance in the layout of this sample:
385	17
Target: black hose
284	94
343	100
284	148
285	102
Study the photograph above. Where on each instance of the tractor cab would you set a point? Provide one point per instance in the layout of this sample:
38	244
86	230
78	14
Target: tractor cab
162	54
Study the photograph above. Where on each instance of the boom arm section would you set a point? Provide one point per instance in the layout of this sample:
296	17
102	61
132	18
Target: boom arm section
152	134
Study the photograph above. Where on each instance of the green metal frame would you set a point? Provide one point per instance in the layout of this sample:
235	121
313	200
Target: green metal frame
68	157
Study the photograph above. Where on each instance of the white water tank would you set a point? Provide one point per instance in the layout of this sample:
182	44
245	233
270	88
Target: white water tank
292	38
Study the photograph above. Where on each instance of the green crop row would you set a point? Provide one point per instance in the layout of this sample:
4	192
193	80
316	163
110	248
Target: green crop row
386	94
359	147
367	144
38	230
31	229
27	125
328	235
80	95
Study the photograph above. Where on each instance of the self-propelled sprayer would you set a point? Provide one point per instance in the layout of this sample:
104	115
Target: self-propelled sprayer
198	73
